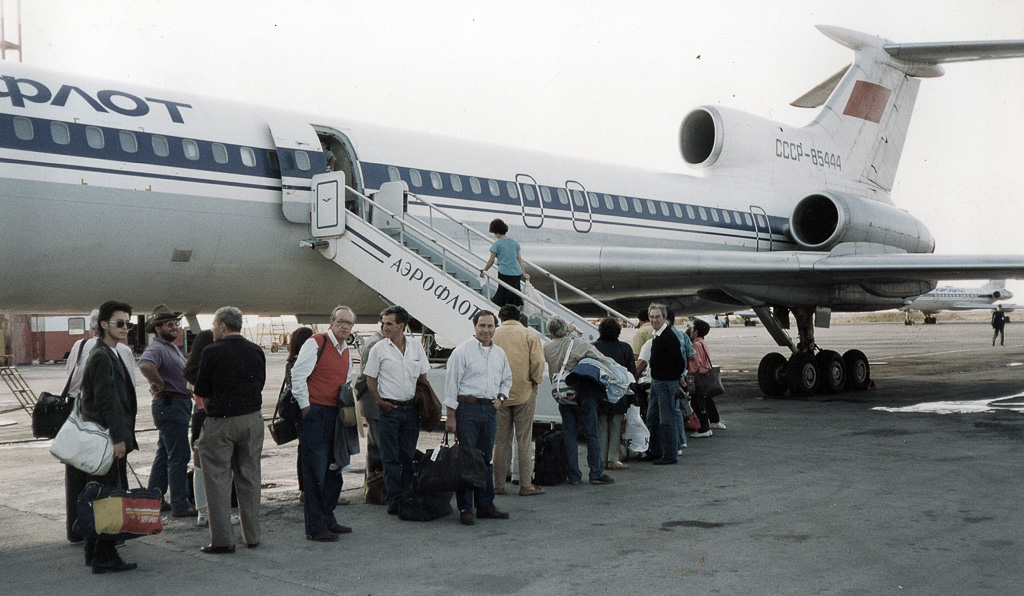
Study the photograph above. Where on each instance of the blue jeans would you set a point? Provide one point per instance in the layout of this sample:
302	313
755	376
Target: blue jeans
476	425
170	465
574	419
399	431
664	418
321	476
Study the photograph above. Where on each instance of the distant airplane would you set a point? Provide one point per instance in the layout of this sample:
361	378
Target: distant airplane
958	298
108	190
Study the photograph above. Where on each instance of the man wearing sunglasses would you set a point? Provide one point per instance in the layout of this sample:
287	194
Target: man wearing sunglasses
162	364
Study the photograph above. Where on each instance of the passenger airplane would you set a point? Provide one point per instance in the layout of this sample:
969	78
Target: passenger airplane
958	298
160	196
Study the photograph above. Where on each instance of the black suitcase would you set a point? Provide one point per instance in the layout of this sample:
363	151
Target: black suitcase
551	466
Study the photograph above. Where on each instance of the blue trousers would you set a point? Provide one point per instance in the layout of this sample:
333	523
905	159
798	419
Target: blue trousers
170	465
582	417
321	476
664	419
399	431
476	425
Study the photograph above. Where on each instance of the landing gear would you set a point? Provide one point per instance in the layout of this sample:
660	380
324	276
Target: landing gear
806	372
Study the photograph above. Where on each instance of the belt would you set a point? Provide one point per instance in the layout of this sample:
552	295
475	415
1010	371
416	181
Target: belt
398	403
469	400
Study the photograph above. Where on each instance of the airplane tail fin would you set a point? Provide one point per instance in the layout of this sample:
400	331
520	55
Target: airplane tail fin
868	105
995	284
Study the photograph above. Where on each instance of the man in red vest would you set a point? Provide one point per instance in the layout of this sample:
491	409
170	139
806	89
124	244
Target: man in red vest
323	365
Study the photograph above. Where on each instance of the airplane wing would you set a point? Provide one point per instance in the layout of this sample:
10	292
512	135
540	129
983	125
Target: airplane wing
616	265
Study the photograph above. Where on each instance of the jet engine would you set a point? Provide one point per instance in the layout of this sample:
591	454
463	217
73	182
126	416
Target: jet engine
822	221
713	136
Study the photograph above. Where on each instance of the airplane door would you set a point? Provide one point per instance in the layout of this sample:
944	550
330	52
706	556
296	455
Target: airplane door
298	157
582	219
328	213
762	228
529	198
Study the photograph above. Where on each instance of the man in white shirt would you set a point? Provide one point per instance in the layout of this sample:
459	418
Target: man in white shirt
478	380
392	369
322	368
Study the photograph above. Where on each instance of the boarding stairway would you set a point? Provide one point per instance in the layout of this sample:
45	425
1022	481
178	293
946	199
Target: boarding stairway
414	261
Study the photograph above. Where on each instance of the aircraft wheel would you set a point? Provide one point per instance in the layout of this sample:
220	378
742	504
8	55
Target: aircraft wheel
930	320
858	373
802	376
832	371
771	375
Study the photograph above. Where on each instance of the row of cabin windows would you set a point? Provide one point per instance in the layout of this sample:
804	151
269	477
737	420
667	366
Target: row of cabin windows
623	204
61	135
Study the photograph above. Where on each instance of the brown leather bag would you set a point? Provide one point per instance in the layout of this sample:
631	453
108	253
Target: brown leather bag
427	404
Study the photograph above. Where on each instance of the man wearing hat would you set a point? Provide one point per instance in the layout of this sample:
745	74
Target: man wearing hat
162	364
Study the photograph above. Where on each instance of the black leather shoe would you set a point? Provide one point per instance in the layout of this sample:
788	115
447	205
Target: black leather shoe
467	518
491	513
253	545
339	529
217	550
115	566
665	462
322	536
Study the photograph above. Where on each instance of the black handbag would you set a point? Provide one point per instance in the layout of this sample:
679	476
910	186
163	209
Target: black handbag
453	468
416	504
284	429
51	411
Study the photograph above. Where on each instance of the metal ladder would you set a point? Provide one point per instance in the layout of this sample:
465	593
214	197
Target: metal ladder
22	392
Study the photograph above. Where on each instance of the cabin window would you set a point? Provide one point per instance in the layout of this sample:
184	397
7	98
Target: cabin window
512	192
220	153
435	181
609	203
595	202
528	193
302	161
689	212
60	133
76	325
393	174
577	197
725	217
248	156
623	204
23	128
746	217
761	223
637	206
677	211
129	144
161	149
94	137
664	209
190	148
651	208
456	183
563	197
474	185
492	185
416	178
703	214
714	215
545	193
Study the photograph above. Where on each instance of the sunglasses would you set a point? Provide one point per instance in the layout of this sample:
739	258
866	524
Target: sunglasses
122	324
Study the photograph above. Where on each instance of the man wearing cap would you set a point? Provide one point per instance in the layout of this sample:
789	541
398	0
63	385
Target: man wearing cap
162	364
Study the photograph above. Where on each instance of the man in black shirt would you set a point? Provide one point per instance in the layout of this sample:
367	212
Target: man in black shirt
998	322
232	372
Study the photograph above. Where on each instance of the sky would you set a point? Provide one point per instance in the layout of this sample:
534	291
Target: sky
600	80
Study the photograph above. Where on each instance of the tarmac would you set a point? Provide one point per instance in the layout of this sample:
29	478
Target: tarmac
913	487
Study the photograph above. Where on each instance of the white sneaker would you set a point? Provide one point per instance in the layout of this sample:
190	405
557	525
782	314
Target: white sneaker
718	425
201	519
235	520
700	435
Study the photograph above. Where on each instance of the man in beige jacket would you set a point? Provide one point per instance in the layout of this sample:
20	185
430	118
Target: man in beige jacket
526	359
